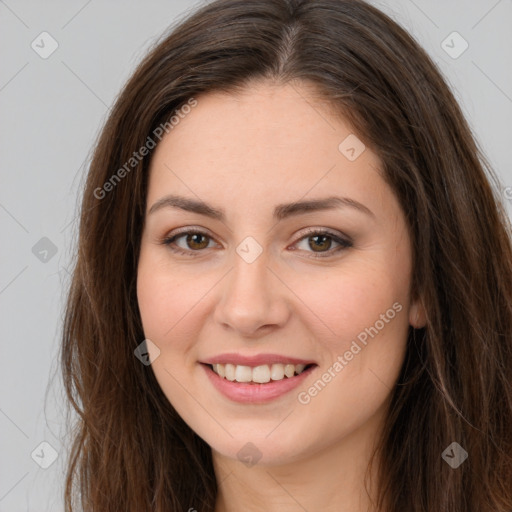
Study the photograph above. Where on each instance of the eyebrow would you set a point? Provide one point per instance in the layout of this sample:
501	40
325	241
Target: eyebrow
281	211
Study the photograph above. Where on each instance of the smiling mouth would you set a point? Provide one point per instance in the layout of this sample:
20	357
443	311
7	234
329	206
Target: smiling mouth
261	374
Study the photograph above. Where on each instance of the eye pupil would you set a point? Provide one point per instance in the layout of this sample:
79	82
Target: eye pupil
319	242
322	245
191	239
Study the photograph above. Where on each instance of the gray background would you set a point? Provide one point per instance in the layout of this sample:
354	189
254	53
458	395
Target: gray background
51	112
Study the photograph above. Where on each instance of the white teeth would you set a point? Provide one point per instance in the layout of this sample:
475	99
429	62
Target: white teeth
229	371
220	369
289	370
277	372
299	368
243	373
259	374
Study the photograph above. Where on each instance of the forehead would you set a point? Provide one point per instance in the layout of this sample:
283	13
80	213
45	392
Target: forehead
266	143
261	117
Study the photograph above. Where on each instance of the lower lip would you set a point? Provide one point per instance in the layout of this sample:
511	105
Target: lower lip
255	393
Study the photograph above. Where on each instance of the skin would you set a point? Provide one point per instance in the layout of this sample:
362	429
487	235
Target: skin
245	154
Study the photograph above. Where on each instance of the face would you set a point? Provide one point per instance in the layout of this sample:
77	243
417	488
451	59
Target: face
321	289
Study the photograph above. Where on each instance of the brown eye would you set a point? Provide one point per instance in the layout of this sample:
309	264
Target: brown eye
320	243
194	241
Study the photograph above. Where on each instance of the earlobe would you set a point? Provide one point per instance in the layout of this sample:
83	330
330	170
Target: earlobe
417	316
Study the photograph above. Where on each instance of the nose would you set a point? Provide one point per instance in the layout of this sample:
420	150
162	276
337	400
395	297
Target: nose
254	300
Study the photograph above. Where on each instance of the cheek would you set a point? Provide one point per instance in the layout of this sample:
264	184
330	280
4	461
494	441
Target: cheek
166	302
167	298
159	304
348	302
366	312
362	329
172	308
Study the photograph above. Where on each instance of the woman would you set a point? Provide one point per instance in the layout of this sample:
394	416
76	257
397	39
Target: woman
293	282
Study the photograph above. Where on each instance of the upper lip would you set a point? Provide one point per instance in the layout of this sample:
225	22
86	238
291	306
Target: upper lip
255	360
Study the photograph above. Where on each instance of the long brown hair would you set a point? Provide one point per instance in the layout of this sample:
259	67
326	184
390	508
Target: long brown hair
131	451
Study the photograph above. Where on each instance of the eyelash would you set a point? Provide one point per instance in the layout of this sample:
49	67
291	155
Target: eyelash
344	244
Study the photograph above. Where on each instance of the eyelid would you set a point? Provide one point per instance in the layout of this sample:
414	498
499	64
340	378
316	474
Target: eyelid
344	241
188	230
341	239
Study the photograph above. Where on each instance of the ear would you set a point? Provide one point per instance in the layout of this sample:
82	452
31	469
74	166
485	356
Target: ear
417	316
